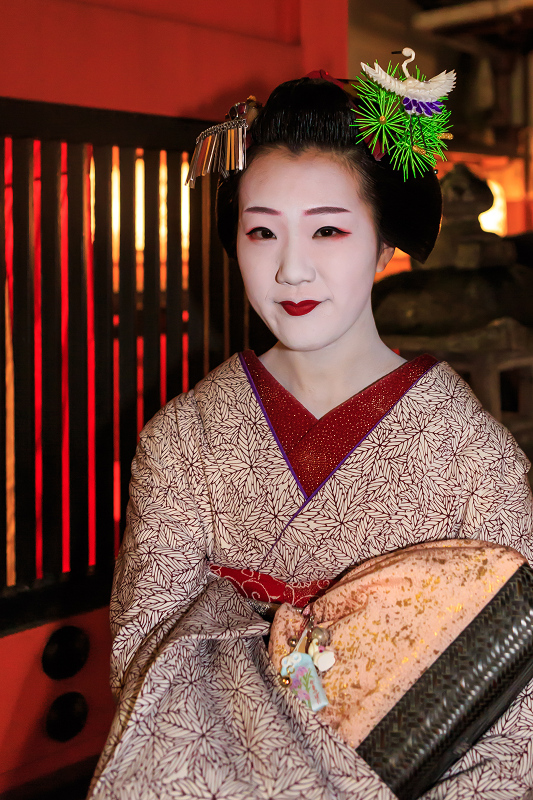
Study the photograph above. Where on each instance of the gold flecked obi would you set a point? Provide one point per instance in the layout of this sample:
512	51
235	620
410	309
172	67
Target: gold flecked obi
390	618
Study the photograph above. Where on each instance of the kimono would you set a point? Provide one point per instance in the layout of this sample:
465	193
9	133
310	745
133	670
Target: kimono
238	492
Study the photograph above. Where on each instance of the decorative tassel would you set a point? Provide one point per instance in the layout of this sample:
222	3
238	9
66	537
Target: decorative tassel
221	148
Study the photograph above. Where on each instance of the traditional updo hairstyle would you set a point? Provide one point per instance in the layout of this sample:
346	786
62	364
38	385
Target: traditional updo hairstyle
315	113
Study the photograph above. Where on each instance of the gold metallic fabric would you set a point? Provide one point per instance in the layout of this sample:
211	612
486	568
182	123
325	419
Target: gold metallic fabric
390	618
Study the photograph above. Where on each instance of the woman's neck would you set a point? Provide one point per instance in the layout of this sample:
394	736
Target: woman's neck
323	379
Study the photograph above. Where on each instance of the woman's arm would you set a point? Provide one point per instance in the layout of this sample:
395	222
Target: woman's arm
500	506
161	566
499	509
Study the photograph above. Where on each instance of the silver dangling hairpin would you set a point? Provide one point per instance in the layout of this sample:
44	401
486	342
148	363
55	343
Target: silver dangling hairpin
222	148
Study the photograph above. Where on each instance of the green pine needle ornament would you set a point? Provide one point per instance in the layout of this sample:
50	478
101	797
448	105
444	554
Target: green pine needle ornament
379	115
404	116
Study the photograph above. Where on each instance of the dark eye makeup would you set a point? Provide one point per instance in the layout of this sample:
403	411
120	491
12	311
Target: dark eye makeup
329	232
267	231
326	232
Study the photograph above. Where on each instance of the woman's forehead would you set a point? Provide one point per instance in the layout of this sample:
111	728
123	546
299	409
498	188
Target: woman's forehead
310	180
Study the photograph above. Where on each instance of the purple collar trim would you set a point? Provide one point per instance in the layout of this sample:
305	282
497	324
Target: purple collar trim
339	465
274	434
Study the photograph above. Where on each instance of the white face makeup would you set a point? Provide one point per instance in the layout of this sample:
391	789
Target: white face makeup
304	234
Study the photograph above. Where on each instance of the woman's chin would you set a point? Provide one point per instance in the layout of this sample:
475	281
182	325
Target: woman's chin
304	341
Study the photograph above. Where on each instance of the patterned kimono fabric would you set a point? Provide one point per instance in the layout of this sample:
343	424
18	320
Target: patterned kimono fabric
314	449
234	482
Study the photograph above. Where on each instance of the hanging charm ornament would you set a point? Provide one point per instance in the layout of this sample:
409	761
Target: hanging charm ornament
299	671
404	116
222	148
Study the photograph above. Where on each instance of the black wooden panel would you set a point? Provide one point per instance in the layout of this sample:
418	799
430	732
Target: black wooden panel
77	356
51	124
236	305
28	118
103	345
196	285
127	322
226	307
2	368
206	255
173	305
51	350
23	359
216	289
20	610
151	297
261	339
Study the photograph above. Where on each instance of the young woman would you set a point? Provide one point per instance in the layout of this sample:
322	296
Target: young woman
276	473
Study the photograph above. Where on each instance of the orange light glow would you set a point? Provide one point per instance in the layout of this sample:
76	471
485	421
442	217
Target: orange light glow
115	217
495	219
11	575
185	240
163	219
139	220
139	203
185	221
92	182
400	262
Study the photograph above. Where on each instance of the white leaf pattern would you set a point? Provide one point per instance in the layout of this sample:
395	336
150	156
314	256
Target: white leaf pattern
201	713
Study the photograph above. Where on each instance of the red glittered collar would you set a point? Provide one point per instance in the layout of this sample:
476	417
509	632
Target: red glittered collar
315	447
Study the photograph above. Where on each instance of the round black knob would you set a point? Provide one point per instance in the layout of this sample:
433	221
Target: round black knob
65	653
66	716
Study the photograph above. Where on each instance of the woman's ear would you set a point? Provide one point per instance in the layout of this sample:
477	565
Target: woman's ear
387	252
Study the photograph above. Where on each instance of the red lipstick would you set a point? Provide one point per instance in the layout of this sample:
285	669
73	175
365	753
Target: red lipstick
297	309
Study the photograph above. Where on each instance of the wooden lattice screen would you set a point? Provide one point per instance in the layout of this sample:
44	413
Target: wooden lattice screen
110	309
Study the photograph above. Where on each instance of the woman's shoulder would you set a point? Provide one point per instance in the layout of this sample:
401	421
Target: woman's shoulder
170	417
442	390
229	378
185	409
452	407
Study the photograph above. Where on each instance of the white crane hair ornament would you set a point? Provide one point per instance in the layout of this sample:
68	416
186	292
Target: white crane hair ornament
419	97
404	116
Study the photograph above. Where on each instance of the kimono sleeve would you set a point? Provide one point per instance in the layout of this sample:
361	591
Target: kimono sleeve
500	506
161	567
499	509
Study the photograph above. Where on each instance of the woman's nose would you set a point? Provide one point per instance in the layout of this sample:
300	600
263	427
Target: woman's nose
294	268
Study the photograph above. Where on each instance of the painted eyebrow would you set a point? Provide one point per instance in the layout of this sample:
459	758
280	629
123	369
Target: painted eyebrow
326	210
308	213
262	210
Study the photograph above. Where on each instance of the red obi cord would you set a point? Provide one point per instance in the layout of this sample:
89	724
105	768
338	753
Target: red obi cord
258	586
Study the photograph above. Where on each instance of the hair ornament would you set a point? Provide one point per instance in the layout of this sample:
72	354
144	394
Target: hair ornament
404	116
222	148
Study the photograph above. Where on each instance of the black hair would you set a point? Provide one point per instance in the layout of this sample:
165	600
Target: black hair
315	113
